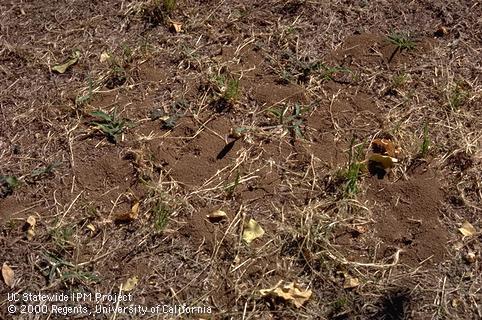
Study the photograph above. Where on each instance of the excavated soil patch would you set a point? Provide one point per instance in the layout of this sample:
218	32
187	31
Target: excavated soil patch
407	217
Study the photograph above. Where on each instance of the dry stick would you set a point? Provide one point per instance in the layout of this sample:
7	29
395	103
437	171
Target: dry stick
68	209
117	304
396	258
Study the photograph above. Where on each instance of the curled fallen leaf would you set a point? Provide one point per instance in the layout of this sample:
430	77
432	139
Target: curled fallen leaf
104	56
91	227
61	68
386	162
467	229
252	230
385	147
177	26
288	292
130	284
31	223
8	275
217	216
350	282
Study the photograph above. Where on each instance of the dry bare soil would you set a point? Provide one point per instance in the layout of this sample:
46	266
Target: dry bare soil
265	110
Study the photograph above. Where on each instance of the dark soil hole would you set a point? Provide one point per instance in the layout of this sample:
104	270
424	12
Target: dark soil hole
115	81
461	160
222	105
394	306
153	16
225	150
376	169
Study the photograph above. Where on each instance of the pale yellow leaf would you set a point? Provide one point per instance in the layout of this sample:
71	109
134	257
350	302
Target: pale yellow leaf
61	68
31	221
91	227
350	282
177	26
288	292
30	234
104	56
8	275
135	210
252	230
217	216
386	161
467	229
130	284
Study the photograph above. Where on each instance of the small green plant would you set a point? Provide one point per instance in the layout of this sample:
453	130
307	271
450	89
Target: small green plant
354	169
109	124
62	237
7	185
161	212
81	100
292	121
402	41
44	171
328	73
228	87
231	187
65	270
457	97
399	80
425	141
169	5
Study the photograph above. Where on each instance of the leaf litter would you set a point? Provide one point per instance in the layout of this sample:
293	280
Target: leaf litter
290	292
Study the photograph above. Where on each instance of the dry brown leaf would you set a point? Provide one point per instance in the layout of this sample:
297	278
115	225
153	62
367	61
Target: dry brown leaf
455	303
350	282
130	284
467	229
470	257
385	147
128	216
31	223
386	162
217	216
177	26
252	230
104	56
8	275
289	292
61	68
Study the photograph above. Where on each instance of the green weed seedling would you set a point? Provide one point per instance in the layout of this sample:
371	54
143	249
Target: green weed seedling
7	185
161	213
457	98
402	41
169	5
44	171
81	100
228	87
109	124
425	142
292	121
354	170
231	187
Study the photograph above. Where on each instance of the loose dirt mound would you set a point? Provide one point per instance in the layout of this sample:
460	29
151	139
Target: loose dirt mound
407	215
